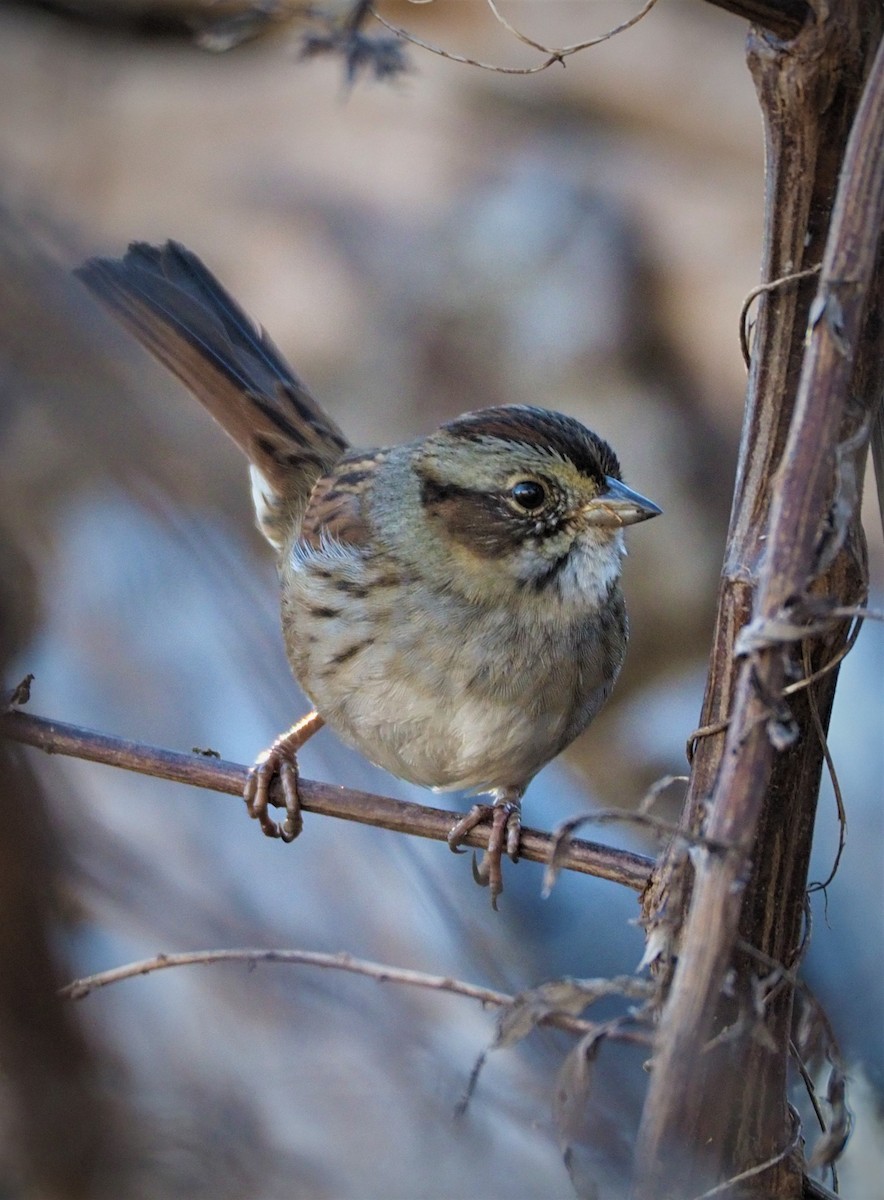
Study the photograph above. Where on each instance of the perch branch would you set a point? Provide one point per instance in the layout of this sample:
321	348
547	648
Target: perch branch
588	858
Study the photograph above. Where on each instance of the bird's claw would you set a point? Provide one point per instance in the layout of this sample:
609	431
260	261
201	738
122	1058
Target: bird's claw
506	829
280	760
277	761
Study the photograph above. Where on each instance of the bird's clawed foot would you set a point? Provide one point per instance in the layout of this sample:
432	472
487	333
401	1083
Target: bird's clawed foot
280	760
505	815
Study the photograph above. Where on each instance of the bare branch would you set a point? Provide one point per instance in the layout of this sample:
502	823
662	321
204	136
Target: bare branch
553	55
310	958
588	858
342	961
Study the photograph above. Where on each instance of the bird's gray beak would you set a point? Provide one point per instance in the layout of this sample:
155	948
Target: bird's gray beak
618	505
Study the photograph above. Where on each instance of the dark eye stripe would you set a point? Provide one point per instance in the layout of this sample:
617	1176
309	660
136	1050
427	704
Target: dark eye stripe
484	521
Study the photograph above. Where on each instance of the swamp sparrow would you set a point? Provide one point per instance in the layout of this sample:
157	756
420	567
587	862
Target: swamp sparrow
451	606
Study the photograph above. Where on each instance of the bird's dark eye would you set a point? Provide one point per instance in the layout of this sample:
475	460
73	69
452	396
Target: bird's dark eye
528	494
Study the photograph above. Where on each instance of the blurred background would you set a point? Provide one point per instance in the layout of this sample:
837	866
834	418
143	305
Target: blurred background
452	238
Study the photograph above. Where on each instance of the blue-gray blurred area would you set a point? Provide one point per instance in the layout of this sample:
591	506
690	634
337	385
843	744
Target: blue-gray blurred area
454	240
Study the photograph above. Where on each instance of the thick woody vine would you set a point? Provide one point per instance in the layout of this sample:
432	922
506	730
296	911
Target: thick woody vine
725	906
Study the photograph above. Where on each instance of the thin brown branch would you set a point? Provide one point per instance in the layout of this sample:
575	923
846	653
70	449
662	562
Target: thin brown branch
341	961
784	18
588	858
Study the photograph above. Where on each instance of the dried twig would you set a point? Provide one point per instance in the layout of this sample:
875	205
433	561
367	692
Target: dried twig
342	961
588	858
552	55
562	1017
833	775
562	836
761	290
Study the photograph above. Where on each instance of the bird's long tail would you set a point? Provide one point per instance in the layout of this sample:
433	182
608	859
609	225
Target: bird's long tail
180	312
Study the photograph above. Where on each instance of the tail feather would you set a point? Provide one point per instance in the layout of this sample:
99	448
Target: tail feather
179	312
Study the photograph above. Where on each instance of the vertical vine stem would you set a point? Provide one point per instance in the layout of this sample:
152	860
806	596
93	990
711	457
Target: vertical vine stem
714	1114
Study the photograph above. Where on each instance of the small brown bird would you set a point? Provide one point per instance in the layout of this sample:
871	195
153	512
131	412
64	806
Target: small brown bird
451	606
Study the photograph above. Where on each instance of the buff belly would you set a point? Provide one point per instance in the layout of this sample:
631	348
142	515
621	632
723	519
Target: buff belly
439	694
